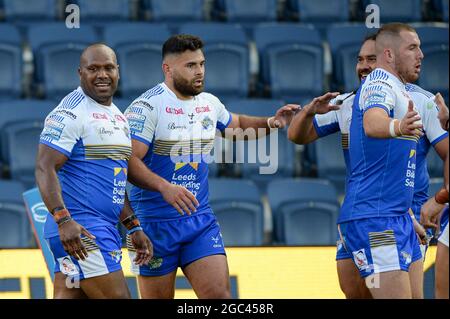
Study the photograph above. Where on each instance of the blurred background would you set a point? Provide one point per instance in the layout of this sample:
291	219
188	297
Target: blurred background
260	55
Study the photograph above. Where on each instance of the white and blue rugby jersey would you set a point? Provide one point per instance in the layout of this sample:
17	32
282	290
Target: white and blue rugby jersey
428	110
382	171
96	140
180	135
335	121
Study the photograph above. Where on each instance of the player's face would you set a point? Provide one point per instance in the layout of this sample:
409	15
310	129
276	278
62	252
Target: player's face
188	73
367	59
99	75
409	57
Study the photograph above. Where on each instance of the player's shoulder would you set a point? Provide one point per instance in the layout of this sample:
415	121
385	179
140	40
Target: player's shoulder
211	98
148	100
417	90
73	101
381	79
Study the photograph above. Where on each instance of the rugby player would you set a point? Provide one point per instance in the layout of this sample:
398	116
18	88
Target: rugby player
81	173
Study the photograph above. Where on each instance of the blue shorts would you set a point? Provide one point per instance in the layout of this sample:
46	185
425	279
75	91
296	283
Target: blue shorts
443	234
379	244
177	243
104	254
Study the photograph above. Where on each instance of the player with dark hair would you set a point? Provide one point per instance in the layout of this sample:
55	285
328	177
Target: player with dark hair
81	172
173	128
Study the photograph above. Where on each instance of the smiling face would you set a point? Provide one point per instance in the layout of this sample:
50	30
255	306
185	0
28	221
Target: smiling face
409	56
185	73
99	73
367	59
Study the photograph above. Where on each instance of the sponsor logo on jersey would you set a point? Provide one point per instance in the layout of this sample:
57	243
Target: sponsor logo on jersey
172	126
66	113
67	266
104	131
207	123
155	263
143	104
53	129
116	255
202	109
217	242
375	98
407	257
136	122
99	116
173	110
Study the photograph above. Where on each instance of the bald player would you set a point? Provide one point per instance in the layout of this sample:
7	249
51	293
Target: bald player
81	172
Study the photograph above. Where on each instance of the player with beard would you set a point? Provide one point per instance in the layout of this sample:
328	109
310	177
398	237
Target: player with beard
173	128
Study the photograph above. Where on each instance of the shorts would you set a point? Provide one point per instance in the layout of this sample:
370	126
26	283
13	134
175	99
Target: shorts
177	243
443	236
379	244
104	254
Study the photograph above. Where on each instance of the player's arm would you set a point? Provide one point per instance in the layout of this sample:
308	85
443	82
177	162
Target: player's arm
49	161
140	175
302	130
140	241
282	118
378	124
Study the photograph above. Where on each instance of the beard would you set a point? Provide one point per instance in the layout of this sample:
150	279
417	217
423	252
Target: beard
185	87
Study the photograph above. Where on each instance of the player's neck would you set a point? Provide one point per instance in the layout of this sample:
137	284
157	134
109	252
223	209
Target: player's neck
177	93
392	70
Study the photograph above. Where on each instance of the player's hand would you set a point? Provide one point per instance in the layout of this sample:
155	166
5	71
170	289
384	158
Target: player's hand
180	198
143	246
429	213
69	233
321	104
420	231
284	115
443	111
410	124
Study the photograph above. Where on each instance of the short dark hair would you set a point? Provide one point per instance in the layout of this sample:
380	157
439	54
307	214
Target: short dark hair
180	43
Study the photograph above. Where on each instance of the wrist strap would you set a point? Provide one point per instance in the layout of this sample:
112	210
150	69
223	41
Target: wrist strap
135	229
60	213
131	222
392	128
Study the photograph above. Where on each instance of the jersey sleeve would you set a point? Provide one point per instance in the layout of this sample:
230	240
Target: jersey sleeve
326	124
62	130
431	124
142	117
379	94
223	115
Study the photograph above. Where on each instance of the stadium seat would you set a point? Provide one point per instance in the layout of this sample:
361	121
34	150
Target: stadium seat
15	229
345	41
10	62
138	48
57	53
123	103
330	160
435	164
249	11
253	155
227	55
237	205
287	53
25	10
397	11
175	11
100	10
319	11
432	34
433	75
304	211
17	112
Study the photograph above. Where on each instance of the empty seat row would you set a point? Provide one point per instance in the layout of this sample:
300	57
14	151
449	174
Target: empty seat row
291	57
224	10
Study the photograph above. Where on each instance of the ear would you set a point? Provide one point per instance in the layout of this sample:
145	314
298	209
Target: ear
166	69
389	55
79	71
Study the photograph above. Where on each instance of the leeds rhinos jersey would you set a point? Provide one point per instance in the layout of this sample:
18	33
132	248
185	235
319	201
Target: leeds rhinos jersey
382	171
180	135
335	121
428	110
96	140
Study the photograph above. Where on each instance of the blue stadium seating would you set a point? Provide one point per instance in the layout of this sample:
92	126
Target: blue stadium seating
321	10
330	160
227	58
435	164
57	53
10	62
248	11
398	11
25	10
345	41
288	52
431	34
237	205
97	10
304	211
138	48
15	229
175	11
435	185
244	150
16	112
434	76
122	103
